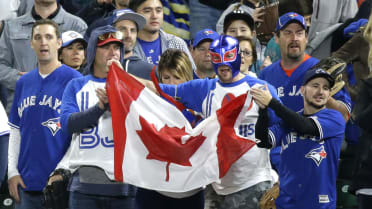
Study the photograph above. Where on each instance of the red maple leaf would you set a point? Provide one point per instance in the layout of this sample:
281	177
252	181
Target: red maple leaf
323	154
166	145
230	147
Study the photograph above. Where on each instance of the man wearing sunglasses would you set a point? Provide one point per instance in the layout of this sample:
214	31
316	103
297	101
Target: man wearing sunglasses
249	177
85	114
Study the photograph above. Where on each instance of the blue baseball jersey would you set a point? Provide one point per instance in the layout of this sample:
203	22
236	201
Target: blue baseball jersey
207	96
309	169
36	113
152	50
288	88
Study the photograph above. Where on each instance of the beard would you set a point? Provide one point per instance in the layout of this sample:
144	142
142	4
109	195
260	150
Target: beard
312	104
128	47
294	55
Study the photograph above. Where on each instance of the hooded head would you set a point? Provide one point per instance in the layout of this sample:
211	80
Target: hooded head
93	41
225	51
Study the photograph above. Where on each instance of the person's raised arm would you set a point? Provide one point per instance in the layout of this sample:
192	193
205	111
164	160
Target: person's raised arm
303	125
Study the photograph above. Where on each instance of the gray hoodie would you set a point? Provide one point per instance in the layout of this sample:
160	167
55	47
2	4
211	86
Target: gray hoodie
92	46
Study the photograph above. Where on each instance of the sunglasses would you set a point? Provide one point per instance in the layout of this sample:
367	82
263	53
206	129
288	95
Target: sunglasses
117	35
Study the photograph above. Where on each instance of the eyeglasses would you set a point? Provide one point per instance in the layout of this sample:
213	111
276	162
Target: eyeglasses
117	35
246	53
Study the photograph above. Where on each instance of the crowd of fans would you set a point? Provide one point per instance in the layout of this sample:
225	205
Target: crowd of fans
278	41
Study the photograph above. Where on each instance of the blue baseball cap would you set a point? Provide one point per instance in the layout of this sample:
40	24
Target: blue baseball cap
316	73
290	17
204	35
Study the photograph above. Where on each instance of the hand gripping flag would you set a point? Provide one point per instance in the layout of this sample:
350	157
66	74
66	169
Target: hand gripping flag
156	148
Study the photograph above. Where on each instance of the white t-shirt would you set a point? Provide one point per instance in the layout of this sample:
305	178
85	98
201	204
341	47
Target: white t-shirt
4	127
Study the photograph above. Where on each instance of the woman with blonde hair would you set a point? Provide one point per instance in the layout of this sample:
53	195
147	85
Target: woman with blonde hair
174	67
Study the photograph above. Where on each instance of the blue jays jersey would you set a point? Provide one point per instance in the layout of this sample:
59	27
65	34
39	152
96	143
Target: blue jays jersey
308	174
88	145
36	113
288	88
207	96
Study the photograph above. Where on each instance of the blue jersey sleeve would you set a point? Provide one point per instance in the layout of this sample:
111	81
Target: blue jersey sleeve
191	93
277	132
344	97
330	123
69	104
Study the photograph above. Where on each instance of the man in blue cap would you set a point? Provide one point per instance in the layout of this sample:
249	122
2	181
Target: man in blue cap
310	143
200	53
287	73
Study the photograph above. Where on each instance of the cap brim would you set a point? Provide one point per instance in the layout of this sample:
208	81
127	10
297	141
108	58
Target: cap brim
292	21
109	40
67	43
238	16
322	75
197	42
137	18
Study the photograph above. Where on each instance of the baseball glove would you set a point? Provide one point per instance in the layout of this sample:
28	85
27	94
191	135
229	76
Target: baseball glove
56	195
335	67
268	199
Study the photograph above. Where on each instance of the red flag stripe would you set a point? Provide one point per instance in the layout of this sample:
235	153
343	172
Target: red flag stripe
122	90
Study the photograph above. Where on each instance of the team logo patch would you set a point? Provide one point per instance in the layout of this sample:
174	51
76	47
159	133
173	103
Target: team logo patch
317	154
53	124
208	32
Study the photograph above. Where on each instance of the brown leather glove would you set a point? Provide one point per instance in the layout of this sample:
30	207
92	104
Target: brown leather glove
335	67
268	199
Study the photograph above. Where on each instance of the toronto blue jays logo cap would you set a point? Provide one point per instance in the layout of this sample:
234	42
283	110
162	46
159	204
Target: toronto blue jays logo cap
316	73
290	17
203	35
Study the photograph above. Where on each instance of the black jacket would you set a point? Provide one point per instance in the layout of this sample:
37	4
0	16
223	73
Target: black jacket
363	161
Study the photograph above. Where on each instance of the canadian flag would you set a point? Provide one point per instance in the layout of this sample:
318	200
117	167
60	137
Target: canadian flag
156	148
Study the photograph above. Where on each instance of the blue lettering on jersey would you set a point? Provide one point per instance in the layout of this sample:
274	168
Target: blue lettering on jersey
90	139
247	129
